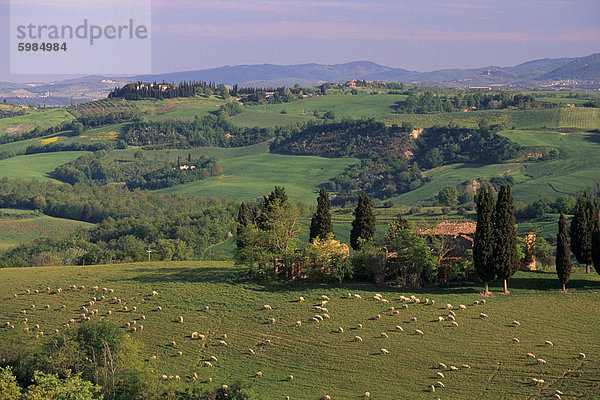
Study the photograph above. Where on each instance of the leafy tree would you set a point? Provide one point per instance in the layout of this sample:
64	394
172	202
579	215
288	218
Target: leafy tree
582	226
9	388
363	226
320	224
448	196
483	245
505	256
543	251
72	387
563	253
414	262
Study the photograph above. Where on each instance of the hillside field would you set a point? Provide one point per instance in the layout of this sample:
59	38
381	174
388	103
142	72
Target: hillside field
249	177
321	358
21	226
35	166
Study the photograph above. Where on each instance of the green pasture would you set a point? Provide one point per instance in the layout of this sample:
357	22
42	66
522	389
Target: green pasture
42	118
321	358
16	230
35	166
254	176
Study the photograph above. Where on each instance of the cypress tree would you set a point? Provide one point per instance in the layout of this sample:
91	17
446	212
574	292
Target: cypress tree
506	256
596	247
243	222
243	217
563	254
483	244
363	226
320	224
582	226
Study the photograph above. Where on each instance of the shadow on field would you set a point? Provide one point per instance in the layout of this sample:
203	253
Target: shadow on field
540	280
208	274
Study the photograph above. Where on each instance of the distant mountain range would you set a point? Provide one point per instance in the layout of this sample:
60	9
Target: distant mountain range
578	73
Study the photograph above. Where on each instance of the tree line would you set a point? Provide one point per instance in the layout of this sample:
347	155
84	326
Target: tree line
428	102
174	226
139	173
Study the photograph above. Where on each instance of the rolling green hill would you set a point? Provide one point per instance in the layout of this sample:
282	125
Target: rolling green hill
249	177
322	358
35	166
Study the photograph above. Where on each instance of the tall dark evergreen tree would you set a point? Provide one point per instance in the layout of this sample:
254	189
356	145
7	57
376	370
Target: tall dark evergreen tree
320	224
563	253
596	246
483	242
243	217
582	226
243	222
363	226
506	256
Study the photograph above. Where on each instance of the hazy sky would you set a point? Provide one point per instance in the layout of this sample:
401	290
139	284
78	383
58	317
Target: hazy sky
421	35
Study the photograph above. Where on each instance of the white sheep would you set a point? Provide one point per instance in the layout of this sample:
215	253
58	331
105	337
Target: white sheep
399	328
548	343
95	288
341	330
154	293
404	305
378	316
207	364
314	319
454	323
358	339
173	343
453	368
251	351
442	366
396	312
357	296
326	316
516	323
530	355
298	323
272	320
440	375
367	394
349	295
384	351
451	317
23	312
159	308
462	307
440	384
384	335
432	388
58	291
213	358
259	374
32	306
143	317
179	354
482	315
449	306
516	340
359	326
180	319
194	335
323	297
36	291
300	299
201	337
440	319
206	308
541	361
290	377
581	355
223	336
413	319
466	366
317	316
419	332
452	313
267	307
476	302
222	343
391	309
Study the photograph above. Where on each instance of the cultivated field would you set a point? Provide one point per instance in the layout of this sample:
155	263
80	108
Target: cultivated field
320	357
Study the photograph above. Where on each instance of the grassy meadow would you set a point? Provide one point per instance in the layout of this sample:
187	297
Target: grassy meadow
249	177
35	166
41	118
321	358
21	226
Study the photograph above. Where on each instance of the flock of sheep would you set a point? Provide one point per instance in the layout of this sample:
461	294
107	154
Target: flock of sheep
450	313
